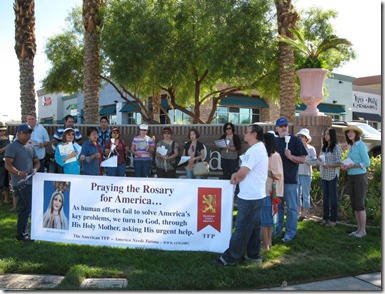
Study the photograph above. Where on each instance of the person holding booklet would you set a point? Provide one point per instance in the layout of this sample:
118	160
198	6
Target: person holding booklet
67	153
166	152
229	150
91	154
329	171
116	147
22	162
195	150
356	164
142	148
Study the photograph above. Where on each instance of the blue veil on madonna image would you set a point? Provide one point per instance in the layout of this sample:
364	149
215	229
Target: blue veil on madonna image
56	204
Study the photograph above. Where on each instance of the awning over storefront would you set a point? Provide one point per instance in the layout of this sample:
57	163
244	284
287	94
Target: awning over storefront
324	107
243	101
107	110
163	103
129	108
366	116
47	121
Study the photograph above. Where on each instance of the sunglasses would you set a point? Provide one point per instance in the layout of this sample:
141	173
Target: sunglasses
281	126
143	130
228	129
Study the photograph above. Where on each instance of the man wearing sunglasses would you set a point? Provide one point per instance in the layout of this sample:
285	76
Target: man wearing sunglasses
22	161
292	153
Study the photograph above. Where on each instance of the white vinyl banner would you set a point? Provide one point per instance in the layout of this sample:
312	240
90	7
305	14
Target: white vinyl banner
168	214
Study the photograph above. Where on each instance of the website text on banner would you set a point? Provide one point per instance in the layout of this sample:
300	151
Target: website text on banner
168	214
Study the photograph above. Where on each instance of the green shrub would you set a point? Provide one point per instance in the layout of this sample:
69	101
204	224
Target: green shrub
345	213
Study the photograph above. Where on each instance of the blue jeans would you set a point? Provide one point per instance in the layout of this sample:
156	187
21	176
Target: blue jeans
24	195
142	168
267	212
247	233
229	166
119	171
330	199
290	198
304	190
190	174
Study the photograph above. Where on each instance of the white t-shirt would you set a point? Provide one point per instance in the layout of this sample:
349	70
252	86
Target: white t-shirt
253	185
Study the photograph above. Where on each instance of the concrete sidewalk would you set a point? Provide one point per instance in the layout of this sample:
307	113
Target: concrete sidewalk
366	282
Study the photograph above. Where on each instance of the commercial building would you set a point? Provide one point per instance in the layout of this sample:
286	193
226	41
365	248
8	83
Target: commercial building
346	98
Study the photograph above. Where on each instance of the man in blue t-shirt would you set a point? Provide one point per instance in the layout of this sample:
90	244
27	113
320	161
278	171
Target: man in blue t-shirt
293	153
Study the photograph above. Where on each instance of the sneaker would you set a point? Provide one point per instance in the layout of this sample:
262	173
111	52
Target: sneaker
331	224
286	240
24	239
221	262
257	260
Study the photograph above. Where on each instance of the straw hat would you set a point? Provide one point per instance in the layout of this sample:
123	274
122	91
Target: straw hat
3	126
353	128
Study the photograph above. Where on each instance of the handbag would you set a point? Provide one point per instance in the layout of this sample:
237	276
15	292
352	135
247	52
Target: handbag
201	168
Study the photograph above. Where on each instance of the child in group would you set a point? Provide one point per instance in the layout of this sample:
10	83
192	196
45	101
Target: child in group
67	153
274	191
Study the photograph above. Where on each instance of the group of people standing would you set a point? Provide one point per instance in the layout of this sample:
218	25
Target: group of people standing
274	172
284	165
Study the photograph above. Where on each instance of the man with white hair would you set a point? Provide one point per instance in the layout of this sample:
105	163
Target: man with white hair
39	139
292	153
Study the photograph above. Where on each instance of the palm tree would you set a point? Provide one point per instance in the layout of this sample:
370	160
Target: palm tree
311	54
25	47
92	21
287	18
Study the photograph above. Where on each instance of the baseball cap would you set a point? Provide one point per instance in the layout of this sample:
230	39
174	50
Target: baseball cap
281	121
24	128
143	127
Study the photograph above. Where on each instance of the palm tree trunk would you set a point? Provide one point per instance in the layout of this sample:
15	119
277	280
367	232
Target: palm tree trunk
25	48
286	18
92	21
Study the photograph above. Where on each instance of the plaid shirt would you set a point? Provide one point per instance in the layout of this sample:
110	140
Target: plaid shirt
103	137
331	158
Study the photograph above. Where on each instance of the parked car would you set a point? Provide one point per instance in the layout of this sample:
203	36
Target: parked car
370	136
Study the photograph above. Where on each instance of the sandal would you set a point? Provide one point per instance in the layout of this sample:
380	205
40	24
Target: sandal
359	236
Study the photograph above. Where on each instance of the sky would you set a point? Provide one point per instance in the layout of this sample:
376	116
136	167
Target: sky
357	21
